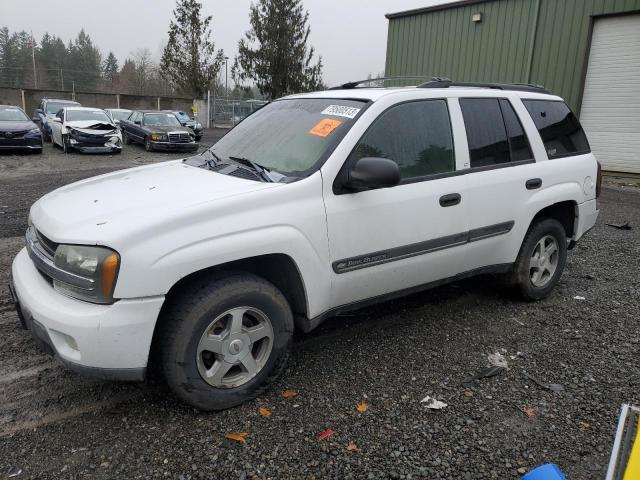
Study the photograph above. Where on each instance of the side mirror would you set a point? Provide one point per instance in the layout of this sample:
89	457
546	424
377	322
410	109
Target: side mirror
137	122
370	173
56	120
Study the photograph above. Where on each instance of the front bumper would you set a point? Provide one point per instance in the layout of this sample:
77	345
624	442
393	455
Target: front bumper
23	143
174	147
103	341
85	149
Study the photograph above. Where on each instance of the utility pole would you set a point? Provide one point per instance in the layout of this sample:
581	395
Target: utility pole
61	79
226	77
33	57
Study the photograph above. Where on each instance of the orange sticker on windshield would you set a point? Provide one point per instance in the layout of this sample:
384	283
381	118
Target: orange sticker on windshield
324	127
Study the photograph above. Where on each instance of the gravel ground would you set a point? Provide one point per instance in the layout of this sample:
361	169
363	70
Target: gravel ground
54	424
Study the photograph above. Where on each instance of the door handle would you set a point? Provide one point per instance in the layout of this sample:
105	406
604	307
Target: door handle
533	183
450	200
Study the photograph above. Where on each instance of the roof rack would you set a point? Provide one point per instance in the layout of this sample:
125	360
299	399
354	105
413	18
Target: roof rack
446	83
350	85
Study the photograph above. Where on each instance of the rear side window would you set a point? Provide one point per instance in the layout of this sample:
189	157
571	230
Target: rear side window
518	141
494	133
416	135
559	128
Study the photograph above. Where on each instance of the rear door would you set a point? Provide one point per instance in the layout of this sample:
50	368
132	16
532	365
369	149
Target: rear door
392	239
502	175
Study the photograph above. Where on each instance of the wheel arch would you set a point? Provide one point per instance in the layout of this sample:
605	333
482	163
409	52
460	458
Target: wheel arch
277	268
565	212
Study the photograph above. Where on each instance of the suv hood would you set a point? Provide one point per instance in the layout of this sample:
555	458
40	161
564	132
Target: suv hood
105	208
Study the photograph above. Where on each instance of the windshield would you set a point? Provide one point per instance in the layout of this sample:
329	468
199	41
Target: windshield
183	116
13	115
120	114
55	107
161	119
79	115
290	136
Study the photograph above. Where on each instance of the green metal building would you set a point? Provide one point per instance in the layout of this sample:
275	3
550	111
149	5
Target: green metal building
587	51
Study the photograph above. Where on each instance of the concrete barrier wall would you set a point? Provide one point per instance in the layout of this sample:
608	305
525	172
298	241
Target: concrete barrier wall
32	97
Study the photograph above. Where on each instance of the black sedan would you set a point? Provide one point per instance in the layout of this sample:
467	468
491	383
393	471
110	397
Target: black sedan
192	123
17	131
157	131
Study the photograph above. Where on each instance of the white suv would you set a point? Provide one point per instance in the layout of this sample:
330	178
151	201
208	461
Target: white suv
315	204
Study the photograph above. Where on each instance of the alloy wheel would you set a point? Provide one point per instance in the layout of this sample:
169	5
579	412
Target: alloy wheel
235	347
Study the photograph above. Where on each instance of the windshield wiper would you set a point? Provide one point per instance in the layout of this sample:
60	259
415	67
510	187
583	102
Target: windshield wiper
263	172
216	161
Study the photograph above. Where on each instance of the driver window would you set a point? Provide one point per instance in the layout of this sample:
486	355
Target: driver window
416	135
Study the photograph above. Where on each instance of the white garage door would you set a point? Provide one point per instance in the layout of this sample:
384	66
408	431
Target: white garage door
610	111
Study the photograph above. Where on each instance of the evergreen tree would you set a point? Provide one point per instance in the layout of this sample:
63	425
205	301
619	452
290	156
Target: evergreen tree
189	61
110	67
85	62
274	53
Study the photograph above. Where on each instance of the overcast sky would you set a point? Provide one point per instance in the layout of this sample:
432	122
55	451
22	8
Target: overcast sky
351	35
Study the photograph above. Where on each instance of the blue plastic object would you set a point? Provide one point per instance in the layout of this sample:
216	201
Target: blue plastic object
545	472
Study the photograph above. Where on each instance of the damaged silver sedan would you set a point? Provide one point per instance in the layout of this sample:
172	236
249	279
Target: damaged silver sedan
87	130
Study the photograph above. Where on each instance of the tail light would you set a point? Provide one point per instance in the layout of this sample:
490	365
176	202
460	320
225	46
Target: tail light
599	180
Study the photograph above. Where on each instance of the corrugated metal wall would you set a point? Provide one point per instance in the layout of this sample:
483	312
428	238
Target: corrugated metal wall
447	43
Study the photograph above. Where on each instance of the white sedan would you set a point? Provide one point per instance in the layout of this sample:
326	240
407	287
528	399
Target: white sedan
87	130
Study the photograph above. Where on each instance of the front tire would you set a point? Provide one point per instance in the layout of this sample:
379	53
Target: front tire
147	145
223	341
541	260
66	148
125	138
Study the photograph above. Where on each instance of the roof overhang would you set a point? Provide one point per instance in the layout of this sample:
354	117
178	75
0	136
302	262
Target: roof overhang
434	8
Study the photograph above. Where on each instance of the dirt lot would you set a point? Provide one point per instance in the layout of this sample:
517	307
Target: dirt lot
54	424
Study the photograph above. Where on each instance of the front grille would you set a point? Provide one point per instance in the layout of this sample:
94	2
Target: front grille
92	140
48	246
179	137
13	139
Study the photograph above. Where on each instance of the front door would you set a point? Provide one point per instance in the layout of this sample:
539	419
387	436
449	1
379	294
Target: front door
391	239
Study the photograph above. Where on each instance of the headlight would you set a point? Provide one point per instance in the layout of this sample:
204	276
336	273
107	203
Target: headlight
72	131
98	264
34	131
159	137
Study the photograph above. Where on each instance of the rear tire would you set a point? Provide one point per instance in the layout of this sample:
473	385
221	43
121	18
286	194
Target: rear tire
211	361
541	260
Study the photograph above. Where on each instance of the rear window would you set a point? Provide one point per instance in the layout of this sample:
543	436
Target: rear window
559	128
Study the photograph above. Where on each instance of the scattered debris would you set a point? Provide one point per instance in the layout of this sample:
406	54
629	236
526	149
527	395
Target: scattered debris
619	226
289	393
237	436
468	393
554	387
352	447
485	373
522	470
264	412
328	432
432	403
584	425
14	472
529	411
578	297
362	407
497	360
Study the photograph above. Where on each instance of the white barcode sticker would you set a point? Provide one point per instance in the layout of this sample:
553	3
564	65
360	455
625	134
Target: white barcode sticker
341	111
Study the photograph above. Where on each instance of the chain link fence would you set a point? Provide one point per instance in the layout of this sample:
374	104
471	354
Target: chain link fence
226	112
